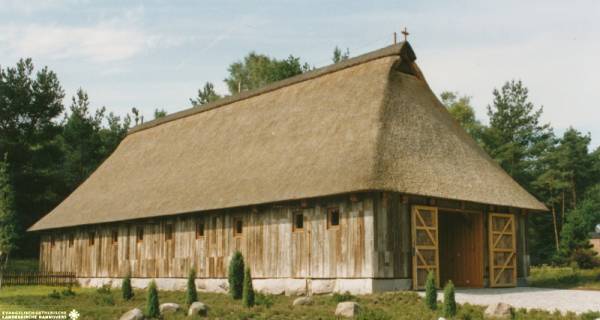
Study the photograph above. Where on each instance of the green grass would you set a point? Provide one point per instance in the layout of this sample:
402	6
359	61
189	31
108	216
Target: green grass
108	304
564	278
23	265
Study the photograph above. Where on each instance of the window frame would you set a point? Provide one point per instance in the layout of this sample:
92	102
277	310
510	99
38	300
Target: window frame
330	212
295	215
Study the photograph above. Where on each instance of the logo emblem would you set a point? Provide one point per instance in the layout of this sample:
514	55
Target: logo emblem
74	314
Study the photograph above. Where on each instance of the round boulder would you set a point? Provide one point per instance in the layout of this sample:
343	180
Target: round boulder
169	307
499	310
198	308
302	301
133	314
347	309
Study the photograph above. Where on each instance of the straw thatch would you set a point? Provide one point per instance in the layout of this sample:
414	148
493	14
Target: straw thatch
370	123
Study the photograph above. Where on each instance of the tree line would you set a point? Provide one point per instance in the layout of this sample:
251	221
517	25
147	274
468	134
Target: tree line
47	150
560	170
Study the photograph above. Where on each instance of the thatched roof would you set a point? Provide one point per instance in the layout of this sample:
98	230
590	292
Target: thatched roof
369	123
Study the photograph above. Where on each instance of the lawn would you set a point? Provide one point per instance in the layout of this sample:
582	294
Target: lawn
564	278
103	304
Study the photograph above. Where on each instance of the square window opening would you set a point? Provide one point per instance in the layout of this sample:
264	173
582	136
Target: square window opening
199	229
238	227
139	234
91	238
298	221
169	232
71	239
333	219
114	236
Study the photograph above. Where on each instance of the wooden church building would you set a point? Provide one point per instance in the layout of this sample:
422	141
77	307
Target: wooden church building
352	177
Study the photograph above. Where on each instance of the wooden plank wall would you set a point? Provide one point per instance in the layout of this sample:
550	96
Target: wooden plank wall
268	243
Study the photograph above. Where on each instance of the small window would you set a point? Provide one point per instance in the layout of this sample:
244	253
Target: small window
91	238
199	229
139	234
333	217
52	243
71	239
298	221
114	236
238	226
169	232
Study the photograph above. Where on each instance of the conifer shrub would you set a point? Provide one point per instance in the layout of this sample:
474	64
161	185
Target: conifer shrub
126	290
248	290
449	301
236	275
430	292
152	305
191	295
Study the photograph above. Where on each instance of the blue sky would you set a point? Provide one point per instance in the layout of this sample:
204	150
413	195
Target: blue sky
156	54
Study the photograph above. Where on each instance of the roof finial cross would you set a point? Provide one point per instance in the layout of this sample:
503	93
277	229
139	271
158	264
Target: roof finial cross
405	33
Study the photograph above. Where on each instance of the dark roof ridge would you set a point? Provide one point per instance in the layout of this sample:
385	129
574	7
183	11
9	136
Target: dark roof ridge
401	49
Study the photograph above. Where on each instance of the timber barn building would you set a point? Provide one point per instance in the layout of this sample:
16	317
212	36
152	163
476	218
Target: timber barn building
352	177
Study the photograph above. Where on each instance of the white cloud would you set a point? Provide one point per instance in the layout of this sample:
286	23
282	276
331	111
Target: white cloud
99	43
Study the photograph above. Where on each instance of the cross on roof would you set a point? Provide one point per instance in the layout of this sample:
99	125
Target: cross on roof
405	33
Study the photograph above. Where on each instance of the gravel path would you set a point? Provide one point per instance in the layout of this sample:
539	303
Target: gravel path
532	298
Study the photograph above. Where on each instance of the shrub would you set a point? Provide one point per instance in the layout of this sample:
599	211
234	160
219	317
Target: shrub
152	307
54	294
68	292
248	290
191	294
449	301
126	290
586	258
105	289
430	292
105	299
236	275
590	315
265	300
341	297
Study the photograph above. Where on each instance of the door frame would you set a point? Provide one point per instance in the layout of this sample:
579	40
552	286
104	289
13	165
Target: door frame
415	250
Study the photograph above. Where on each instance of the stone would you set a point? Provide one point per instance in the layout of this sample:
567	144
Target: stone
498	310
198	308
347	309
302	301
133	314
169	307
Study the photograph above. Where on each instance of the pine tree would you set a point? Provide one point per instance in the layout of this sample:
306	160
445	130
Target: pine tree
205	95
191	294
152	305
430	291
126	289
248	290
449	301
8	219
236	275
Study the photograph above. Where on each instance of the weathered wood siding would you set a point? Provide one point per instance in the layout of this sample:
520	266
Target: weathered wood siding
270	246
